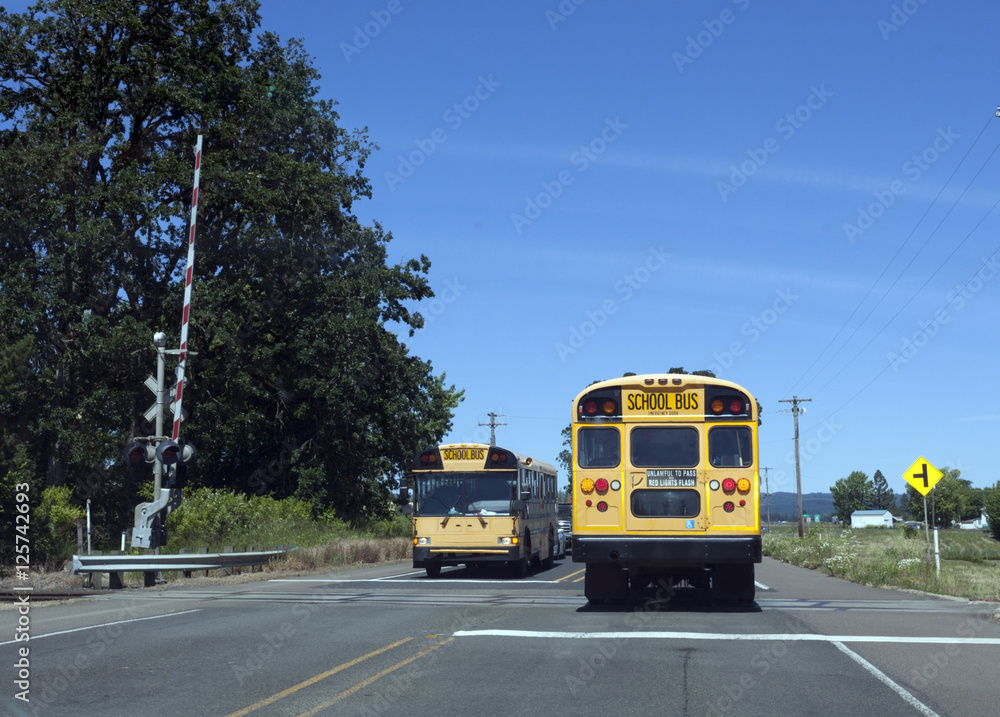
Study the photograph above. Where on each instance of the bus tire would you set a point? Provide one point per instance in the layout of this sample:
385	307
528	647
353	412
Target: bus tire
549	562
433	570
520	568
733	584
605	582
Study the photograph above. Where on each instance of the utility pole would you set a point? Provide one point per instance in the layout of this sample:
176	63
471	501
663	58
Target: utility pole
767	492
795	401
493	426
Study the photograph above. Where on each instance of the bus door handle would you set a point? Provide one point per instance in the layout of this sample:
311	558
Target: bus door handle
637	478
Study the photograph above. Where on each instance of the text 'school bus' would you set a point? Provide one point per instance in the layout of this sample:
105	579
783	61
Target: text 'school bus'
476	505
665	486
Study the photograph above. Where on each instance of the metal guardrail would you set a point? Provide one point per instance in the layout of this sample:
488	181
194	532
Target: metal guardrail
115	565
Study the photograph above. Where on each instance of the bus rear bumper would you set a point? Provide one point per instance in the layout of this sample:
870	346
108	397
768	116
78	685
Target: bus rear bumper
666	550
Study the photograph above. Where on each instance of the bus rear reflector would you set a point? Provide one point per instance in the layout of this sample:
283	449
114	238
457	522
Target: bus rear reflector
602	506
728	506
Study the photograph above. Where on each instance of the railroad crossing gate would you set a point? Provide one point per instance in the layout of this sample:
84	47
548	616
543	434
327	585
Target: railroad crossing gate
922	476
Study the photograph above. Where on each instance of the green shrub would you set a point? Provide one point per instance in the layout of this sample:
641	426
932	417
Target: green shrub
909	532
56	519
215	519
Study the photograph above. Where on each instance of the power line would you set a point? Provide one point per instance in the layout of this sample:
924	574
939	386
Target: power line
892	260
900	275
910	300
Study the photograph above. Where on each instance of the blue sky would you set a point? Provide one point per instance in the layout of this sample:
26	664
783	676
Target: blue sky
795	195
734	185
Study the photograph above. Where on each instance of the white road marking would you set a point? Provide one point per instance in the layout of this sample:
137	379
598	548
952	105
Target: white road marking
106	624
430	581
760	637
885	680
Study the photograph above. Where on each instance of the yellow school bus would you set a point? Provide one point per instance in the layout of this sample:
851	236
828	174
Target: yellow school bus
478	505
666	487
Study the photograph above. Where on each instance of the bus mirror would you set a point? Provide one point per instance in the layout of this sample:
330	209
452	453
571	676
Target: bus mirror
406	509
517	506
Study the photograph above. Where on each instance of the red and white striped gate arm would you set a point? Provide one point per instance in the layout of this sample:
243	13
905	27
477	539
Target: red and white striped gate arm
188	276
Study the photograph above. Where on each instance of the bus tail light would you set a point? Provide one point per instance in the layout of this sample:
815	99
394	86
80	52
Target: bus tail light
602	506
587	485
728	506
728	485
743	485
601	485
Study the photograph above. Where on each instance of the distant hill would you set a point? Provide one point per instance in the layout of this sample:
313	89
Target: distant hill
784	505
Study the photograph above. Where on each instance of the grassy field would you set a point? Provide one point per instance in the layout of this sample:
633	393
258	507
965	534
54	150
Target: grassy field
970	559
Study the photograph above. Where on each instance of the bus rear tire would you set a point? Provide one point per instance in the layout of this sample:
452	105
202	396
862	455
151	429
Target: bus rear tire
605	582
733	584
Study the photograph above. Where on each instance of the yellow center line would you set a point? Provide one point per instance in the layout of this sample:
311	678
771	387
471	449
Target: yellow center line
314	680
365	683
567	577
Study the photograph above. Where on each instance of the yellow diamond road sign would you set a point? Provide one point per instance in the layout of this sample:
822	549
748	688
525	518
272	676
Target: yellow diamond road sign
922	476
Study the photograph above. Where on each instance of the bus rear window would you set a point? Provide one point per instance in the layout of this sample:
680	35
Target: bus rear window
730	447
668	503
598	447
664	447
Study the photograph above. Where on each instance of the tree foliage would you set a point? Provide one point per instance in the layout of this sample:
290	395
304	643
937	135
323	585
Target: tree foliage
850	494
992	504
883	497
300	385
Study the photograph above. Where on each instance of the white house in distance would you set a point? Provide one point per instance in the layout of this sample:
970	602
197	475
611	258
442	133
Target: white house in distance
980	523
871	519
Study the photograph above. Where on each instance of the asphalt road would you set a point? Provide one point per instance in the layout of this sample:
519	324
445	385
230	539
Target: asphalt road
389	640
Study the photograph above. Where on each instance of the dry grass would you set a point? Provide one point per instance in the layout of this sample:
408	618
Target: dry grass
970	560
345	551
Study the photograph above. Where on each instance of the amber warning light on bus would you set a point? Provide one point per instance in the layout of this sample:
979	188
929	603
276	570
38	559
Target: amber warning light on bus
599	407
428	459
728	405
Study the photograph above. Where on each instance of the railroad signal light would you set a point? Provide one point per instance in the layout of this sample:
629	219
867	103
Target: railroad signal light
137	454
175	452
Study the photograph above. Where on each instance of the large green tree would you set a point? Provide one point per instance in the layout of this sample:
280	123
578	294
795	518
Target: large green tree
850	494
300	384
991	501
883	497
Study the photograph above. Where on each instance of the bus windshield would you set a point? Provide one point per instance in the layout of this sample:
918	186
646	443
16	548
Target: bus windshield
465	493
